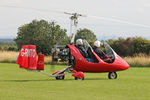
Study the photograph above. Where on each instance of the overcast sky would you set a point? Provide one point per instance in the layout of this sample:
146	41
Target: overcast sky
132	16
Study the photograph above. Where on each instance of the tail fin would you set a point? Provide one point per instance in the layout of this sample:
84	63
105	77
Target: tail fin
40	63
27	57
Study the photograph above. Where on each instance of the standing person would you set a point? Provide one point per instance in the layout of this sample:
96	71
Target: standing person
79	45
98	51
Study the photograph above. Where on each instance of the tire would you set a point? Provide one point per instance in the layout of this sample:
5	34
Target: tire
112	75
60	77
76	78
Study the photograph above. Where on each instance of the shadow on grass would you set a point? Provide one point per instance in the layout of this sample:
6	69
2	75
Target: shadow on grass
80	80
51	80
95	79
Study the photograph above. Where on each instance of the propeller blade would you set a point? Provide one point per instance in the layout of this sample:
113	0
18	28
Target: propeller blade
119	21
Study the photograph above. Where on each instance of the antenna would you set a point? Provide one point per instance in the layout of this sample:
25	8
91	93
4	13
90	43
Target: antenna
74	24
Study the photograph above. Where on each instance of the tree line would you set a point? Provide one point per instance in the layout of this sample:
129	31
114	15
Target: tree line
46	34
8	46
130	46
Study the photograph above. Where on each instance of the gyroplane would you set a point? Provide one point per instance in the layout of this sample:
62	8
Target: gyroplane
77	64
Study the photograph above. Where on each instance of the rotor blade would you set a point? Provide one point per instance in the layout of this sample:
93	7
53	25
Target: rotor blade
119	21
68	13
36	9
84	15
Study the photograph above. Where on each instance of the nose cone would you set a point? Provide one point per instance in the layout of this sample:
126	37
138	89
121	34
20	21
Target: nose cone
123	65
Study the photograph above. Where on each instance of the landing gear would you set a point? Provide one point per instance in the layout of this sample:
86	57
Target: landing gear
76	78
60	77
112	75
78	75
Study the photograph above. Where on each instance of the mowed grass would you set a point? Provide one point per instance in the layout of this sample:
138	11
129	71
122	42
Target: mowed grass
19	84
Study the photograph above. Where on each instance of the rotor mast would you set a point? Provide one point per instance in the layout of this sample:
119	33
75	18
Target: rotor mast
74	24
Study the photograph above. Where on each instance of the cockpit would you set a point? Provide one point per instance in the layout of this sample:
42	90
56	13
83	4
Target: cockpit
108	51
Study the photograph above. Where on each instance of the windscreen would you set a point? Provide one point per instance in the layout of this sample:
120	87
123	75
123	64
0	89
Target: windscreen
86	45
109	51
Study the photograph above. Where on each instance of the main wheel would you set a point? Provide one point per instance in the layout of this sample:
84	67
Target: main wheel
60	77
76	78
112	75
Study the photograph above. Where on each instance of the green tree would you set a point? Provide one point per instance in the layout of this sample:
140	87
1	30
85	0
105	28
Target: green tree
122	46
141	45
130	46
41	33
85	34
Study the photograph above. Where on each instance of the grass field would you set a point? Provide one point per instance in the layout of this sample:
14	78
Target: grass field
19	84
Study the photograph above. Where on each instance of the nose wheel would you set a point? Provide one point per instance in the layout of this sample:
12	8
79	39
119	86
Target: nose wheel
112	75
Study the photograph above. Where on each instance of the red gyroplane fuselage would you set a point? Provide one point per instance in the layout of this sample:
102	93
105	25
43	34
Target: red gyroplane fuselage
81	64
